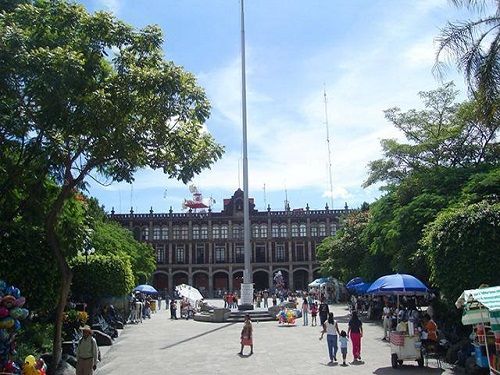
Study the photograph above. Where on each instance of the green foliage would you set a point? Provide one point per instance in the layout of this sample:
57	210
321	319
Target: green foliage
346	255
35	339
109	238
462	246
103	276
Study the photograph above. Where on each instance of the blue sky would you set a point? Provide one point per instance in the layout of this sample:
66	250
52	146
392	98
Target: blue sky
368	55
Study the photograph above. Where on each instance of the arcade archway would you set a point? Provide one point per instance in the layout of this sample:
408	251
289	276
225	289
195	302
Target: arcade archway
260	280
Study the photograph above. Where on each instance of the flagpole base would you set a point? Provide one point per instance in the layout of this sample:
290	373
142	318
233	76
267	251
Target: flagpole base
246	299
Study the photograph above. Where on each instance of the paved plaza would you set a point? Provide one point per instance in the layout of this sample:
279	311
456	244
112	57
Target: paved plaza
164	346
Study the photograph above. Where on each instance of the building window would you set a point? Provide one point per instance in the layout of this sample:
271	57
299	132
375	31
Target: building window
263	230
333	229
302	230
176	233
179	255
200	253
314	230
220	254
156	233
196	232
237	232
295	230
204	232
164	233
275	230
215	232
280	252
145	234
260	253
255	231
299	252
239	254
184	232
160	254
322	230
223	231
283	230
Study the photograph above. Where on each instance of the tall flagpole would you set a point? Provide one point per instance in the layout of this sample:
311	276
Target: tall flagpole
247	285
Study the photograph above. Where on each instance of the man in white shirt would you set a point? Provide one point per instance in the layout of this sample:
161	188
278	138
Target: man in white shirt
86	353
386	320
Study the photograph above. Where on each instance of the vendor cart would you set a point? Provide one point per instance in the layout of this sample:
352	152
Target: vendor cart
405	348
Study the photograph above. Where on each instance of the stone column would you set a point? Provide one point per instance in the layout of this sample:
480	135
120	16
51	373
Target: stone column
210	282
170	280
190	275
190	254
270	276
309	251
230	277
290	277
170	251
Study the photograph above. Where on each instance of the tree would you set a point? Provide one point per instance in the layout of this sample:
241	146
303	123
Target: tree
474	46
444	134
462	245
94	97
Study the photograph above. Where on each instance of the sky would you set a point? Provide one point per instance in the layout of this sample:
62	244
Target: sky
366	55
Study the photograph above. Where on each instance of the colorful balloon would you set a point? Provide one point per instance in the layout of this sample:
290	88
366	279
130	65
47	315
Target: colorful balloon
20	301
4	312
7	323
16	313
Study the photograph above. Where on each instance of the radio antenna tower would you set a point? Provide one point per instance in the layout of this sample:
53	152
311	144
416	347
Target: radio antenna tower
329	151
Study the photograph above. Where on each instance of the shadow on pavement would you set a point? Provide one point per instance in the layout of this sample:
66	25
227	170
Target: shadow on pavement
406	369
197	336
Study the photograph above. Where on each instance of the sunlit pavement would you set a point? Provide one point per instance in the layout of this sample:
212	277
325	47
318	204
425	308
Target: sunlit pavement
164	346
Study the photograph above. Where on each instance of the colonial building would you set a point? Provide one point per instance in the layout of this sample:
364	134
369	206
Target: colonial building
206	249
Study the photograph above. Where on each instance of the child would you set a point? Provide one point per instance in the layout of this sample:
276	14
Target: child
314	313
343	346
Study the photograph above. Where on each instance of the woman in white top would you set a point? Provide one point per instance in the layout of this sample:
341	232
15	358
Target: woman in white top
331	328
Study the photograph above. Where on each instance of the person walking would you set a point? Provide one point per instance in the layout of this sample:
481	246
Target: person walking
355	332
324	310
331	328
173	309
246	336
386	320
343	346
265	296
314	313
86	353
305	312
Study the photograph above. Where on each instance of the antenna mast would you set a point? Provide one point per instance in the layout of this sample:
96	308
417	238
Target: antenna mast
329	151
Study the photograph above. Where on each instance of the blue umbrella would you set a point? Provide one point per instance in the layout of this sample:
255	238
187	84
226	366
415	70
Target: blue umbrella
398	284
360	288
146	289
352	282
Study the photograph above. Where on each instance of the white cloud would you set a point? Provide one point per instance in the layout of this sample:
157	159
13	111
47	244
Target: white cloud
110	5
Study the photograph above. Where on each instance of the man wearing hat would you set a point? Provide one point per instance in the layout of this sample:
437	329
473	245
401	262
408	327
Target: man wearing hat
86	353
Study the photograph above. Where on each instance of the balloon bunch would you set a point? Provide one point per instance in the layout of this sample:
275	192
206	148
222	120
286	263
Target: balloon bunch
286	316
11	314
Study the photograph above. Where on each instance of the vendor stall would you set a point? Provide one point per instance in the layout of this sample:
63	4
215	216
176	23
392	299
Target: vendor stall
481	308
405	341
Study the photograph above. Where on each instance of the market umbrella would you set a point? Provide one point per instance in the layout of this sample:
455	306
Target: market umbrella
146	289
189	292
355	281
360	288
398	284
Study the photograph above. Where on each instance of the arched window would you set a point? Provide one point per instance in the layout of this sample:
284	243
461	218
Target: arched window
255	231
295	230
176	232
223	231
275	230
302	230
322	229
196	232
283	230
145	234
204	232
184	232
263	230
237	233
156	233
333	229
314	230
164	233
215	231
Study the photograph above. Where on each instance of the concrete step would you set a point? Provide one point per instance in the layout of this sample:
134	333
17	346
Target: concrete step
261	316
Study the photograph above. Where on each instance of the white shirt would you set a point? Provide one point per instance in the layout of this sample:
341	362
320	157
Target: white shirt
386	312
330	328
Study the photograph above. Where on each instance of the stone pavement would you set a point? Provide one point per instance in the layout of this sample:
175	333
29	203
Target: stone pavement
164	346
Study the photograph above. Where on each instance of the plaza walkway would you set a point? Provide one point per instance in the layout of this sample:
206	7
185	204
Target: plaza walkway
164	346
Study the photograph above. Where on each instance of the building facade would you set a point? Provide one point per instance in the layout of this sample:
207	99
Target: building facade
206	249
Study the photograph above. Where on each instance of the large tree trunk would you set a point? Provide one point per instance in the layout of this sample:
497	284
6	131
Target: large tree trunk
66	274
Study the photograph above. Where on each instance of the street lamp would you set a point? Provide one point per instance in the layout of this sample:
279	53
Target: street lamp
88	251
